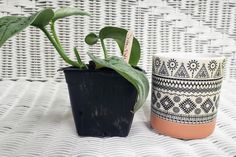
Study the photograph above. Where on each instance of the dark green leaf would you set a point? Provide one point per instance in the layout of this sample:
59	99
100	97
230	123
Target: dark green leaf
119	35
91	39
43	18
11	25
64	12
135	77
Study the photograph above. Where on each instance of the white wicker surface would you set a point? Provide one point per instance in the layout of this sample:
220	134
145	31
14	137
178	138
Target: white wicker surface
35	117
160	25
36	120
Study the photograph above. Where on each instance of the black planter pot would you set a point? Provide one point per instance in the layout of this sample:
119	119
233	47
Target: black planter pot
101	101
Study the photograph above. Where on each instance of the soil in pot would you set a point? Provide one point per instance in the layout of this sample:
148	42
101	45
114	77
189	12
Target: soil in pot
101	101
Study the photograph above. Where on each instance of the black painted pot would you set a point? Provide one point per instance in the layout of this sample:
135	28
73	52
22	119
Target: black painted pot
101	100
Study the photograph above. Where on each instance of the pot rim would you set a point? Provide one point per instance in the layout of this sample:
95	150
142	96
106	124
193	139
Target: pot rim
71	68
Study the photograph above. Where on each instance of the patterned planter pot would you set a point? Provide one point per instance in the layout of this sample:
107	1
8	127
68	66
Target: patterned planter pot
185	94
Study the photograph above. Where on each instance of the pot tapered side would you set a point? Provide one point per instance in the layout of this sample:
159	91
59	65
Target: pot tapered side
101	101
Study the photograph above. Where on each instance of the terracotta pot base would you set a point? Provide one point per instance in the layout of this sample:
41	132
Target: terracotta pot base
182	131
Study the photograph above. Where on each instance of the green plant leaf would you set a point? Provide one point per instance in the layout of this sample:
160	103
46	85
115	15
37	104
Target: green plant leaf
64	12
43	18
91	39
135	77
11	25
119	35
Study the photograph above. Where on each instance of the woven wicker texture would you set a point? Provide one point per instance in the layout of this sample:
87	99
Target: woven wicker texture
35	116
160	25
36	120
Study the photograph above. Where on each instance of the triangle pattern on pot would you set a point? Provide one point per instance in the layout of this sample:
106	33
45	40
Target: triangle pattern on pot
218	72
182	72
163	70
203	73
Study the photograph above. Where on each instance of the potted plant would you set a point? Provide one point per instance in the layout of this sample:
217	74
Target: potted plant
105	93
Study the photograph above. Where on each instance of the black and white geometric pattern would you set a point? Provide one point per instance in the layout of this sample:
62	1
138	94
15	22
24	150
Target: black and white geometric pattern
186	91
189	68
182	72
167	103
163	70
186	86
154	98
218	72
202	73
181	118
187	105
207	105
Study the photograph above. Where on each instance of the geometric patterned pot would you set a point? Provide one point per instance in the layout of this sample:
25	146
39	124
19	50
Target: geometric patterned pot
185	94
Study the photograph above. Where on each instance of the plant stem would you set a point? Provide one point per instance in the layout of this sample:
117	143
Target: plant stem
59	49
54	34
82	65
104	49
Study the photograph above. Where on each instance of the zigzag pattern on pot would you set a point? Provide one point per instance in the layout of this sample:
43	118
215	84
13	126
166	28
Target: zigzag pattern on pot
177	94
183	118
193	86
